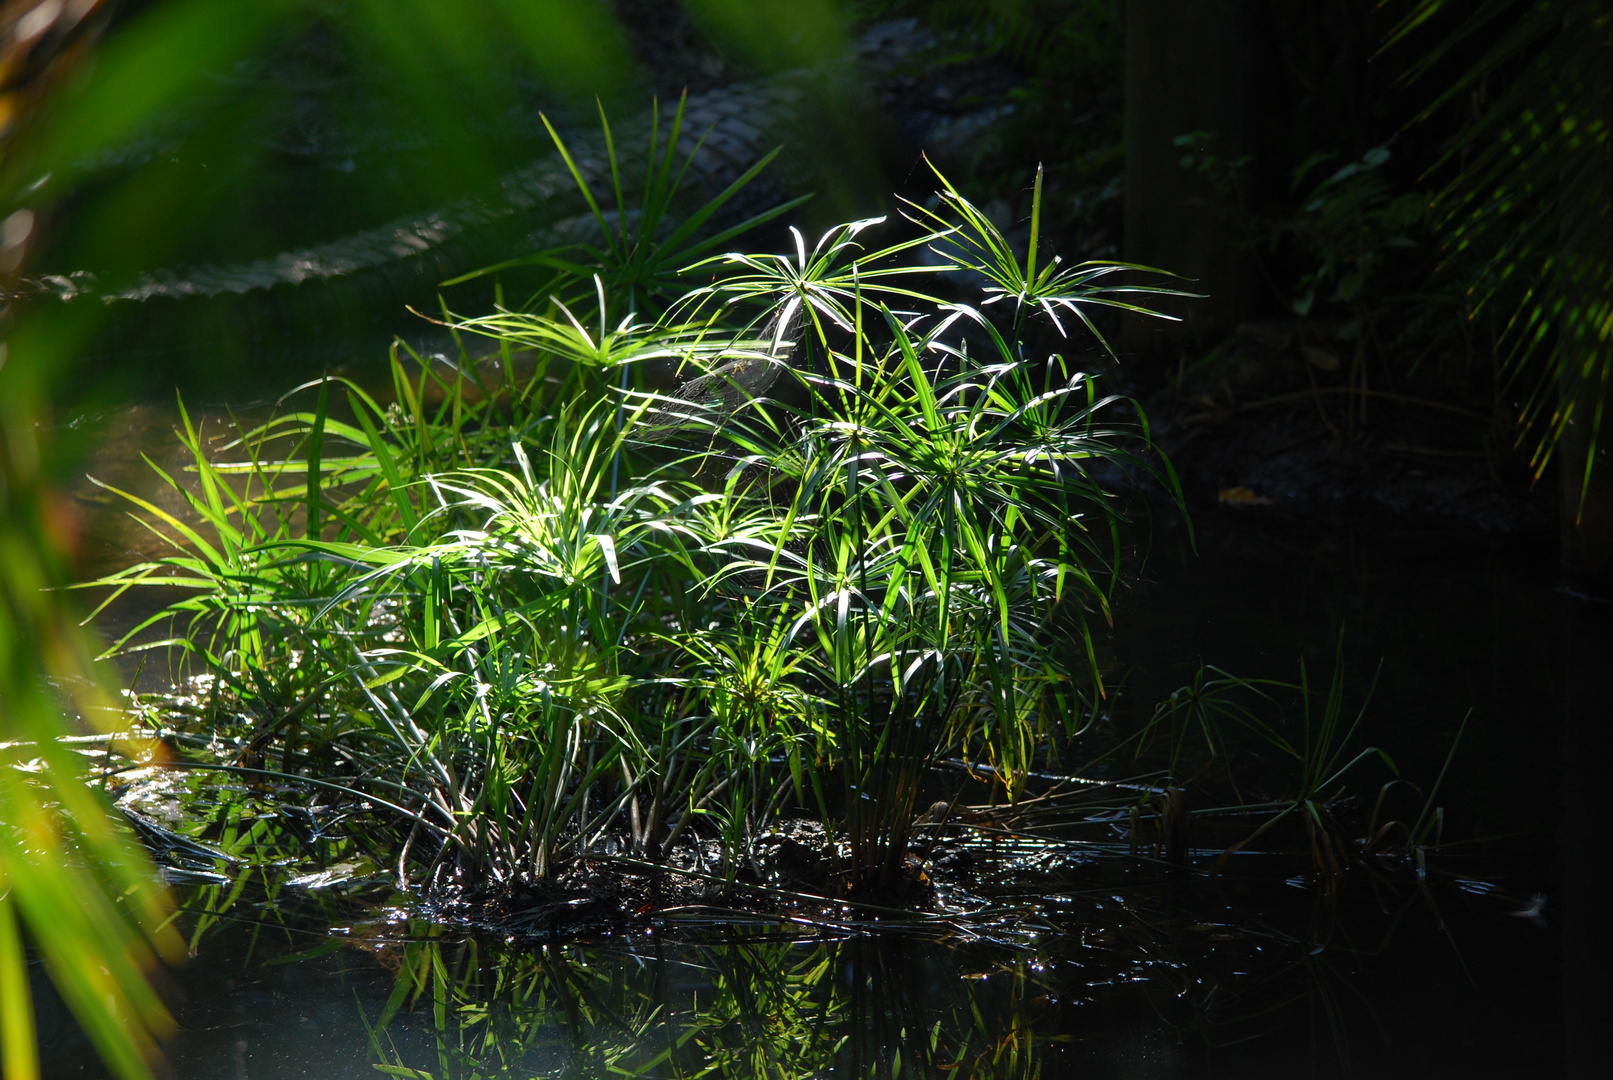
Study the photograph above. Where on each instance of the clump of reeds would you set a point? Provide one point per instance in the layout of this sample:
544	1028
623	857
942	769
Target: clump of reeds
628	582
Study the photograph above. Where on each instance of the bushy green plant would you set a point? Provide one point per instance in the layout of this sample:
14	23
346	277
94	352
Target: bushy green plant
553	616
1349	222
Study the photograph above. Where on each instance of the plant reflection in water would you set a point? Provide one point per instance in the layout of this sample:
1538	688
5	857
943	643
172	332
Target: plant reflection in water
1106	958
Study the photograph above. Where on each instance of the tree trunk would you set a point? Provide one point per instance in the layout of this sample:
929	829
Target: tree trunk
1268	83
1189	68
1581	912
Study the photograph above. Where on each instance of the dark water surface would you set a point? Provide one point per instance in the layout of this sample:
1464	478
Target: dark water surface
1242	975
